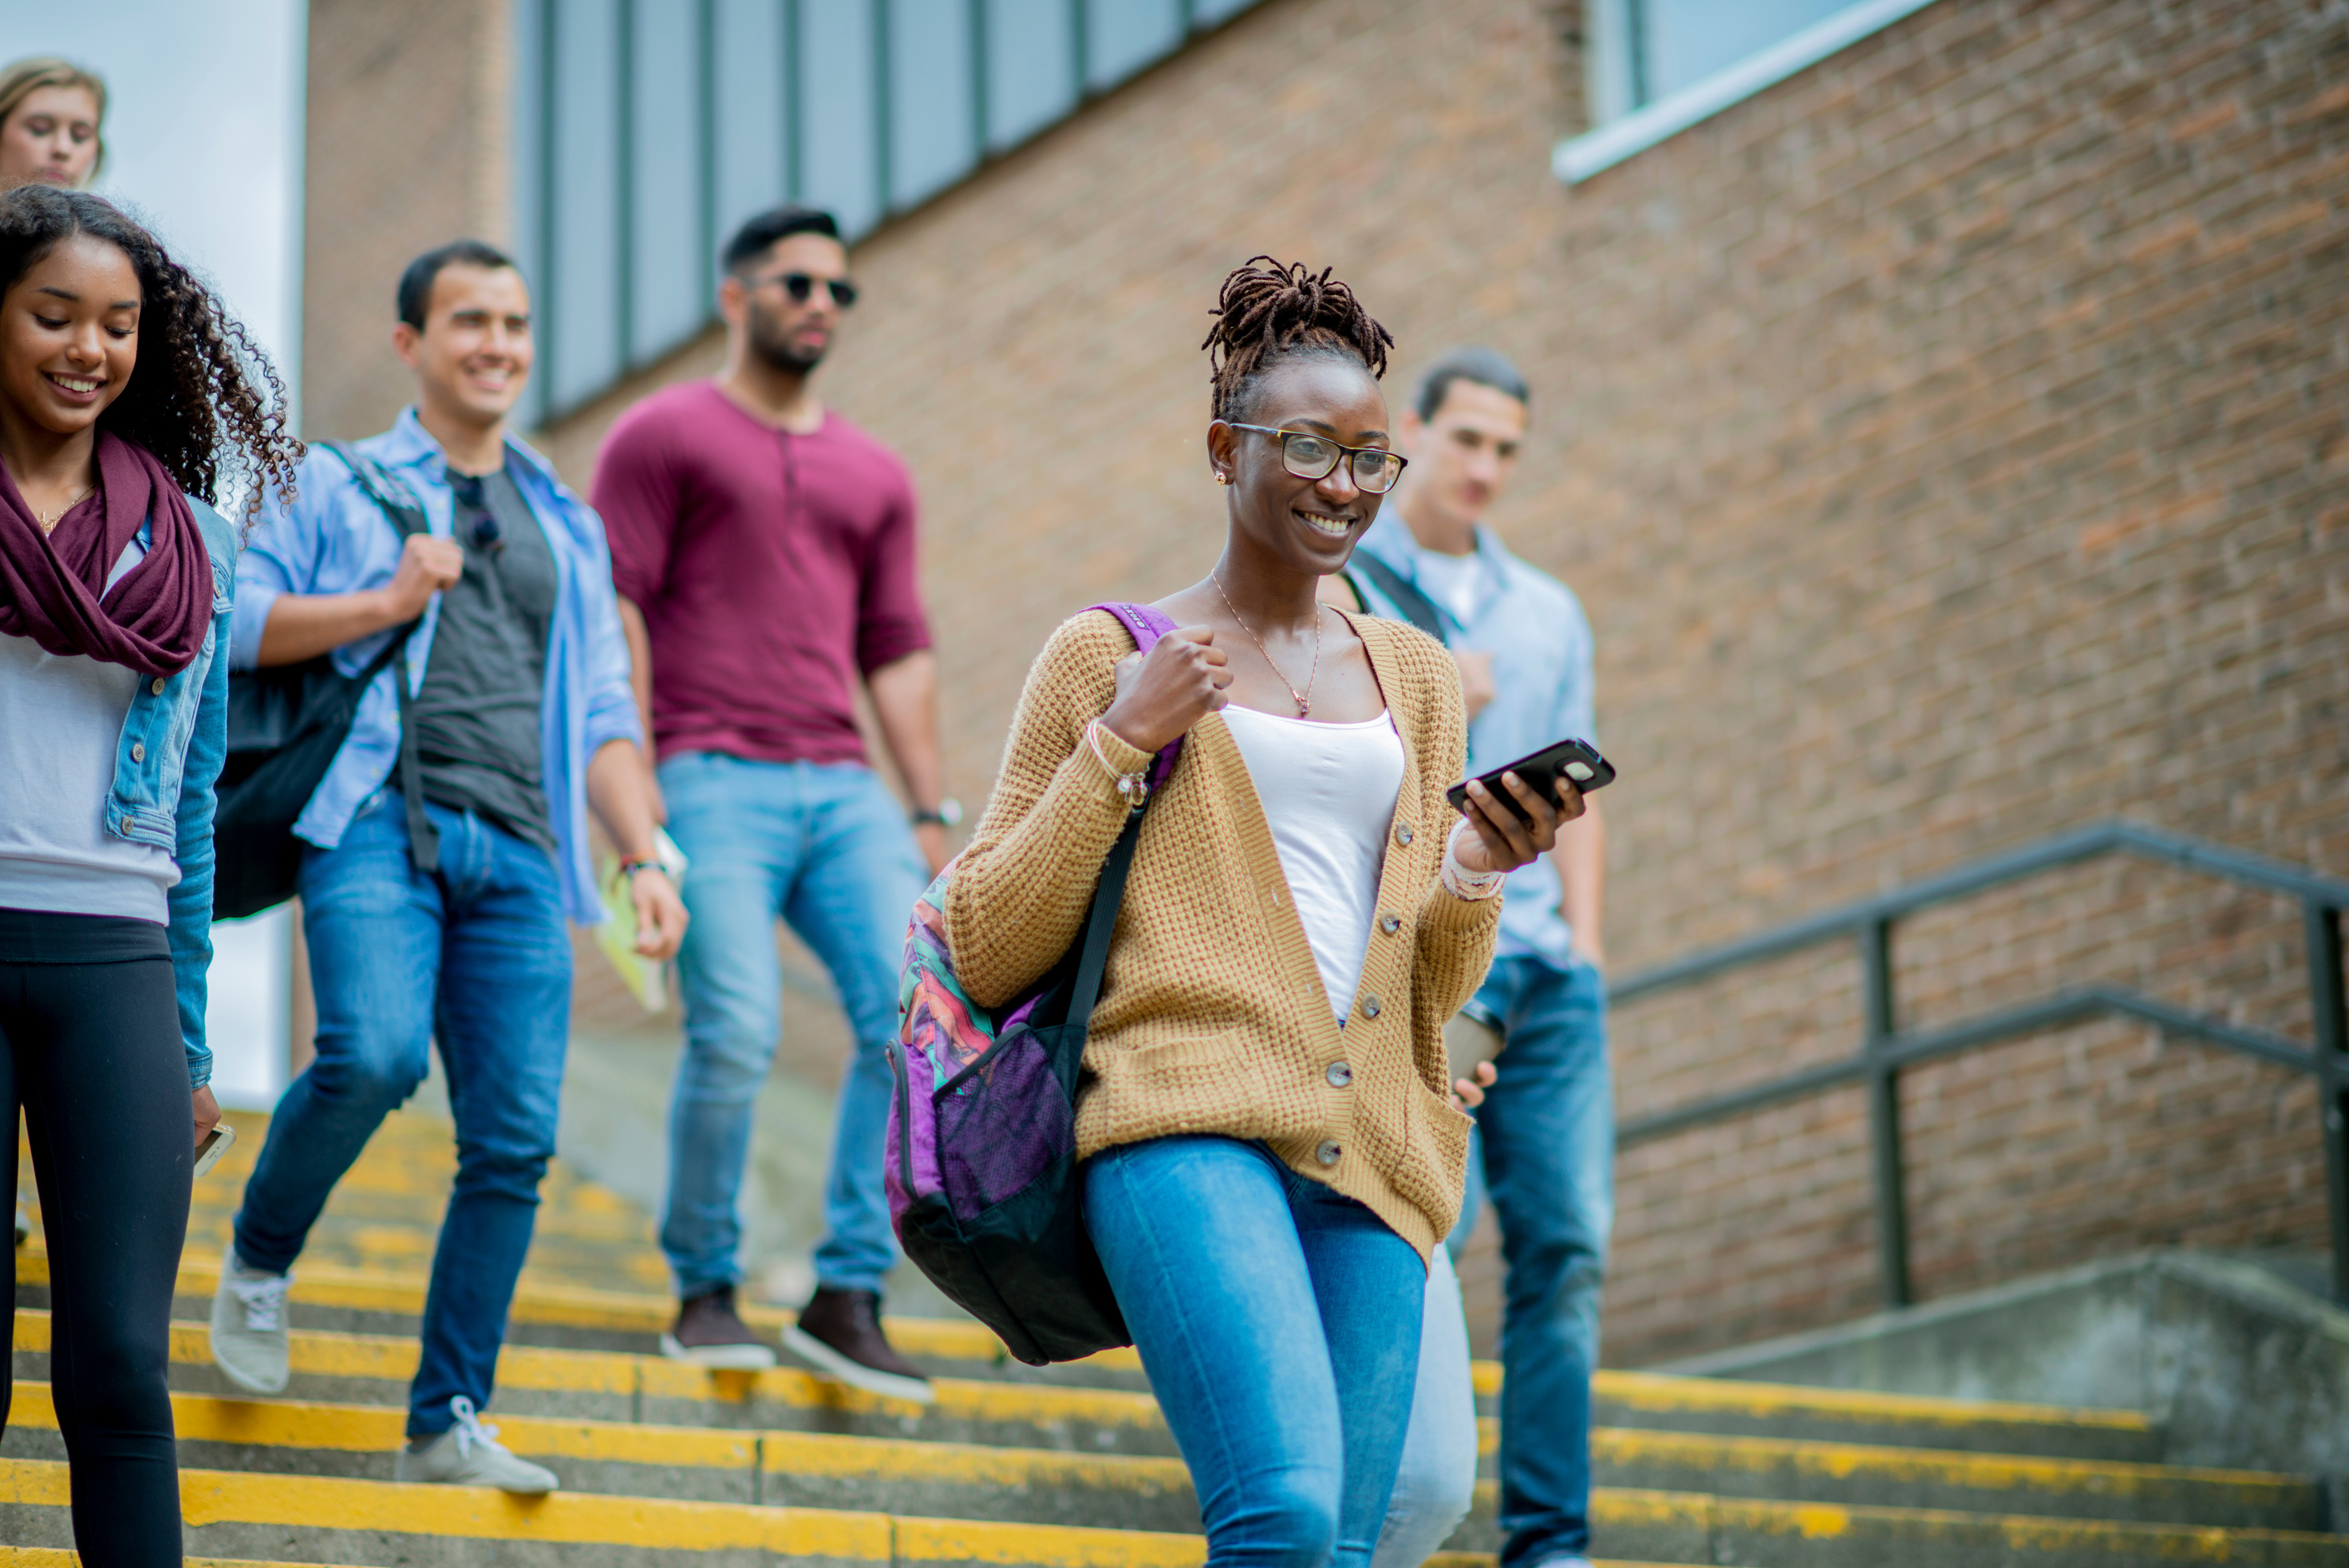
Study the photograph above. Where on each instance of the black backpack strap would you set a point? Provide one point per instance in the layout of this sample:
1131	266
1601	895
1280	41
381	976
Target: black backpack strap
1416	607
408	516
1109	895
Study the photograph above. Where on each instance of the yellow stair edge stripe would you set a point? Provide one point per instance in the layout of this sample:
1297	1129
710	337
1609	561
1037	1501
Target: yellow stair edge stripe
579	1306
1677	1391
368	1428
392	1358
208	1497
60	1557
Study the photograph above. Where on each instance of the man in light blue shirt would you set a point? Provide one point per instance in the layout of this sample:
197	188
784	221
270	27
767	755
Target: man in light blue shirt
1545	1131
447	842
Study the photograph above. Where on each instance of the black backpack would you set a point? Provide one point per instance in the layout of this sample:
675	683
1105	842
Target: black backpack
286	723
1416	607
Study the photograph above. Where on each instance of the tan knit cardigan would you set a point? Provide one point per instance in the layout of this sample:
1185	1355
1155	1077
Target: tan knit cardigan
1213	1016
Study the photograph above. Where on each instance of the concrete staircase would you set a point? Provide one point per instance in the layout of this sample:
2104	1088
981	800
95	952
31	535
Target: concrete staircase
1068	1466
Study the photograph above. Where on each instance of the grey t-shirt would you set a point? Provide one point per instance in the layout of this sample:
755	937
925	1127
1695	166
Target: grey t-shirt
477	718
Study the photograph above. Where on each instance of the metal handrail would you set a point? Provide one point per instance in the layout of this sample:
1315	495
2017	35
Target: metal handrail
1887	1050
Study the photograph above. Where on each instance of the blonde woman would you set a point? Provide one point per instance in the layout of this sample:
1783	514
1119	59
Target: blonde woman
52	112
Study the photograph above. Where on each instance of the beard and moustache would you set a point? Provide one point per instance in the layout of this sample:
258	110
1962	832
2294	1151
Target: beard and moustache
773	344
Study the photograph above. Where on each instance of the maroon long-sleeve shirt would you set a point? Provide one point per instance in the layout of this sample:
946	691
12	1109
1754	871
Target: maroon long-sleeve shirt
772	569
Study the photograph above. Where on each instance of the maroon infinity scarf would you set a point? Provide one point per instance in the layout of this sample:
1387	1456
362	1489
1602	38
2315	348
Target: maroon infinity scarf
51	584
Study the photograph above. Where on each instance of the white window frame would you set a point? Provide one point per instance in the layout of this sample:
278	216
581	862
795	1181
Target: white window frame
1619	131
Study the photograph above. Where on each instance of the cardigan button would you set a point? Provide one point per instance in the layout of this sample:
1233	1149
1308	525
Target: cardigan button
1328	1153
1371	1005
1339	1074
1389	924
138	750
1403	834
156	686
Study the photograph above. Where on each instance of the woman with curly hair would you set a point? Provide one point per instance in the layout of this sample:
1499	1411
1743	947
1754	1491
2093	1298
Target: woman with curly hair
1269	1152
124	392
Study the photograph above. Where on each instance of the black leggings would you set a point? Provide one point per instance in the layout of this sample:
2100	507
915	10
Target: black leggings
91	1051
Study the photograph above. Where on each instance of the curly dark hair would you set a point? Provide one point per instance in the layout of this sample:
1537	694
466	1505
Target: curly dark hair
1272	311
204	399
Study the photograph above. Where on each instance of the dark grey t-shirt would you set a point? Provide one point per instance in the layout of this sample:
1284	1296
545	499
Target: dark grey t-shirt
477	718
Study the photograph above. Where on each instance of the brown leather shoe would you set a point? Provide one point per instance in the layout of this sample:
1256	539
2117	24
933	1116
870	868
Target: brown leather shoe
839	1333
710	1332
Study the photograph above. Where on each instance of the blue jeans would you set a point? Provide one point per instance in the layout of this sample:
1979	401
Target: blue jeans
478	955
825	845
1545	1145
1278	1321
1436	1482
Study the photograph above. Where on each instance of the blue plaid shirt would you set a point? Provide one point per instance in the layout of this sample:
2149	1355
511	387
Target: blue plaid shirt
1533	627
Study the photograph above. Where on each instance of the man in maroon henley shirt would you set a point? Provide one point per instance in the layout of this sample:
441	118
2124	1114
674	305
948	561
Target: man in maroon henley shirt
763	549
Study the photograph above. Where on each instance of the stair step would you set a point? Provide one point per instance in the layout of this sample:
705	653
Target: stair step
984	1481
346	1520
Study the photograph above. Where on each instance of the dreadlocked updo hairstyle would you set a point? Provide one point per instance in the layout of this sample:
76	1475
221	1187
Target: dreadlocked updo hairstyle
203	398
1268	312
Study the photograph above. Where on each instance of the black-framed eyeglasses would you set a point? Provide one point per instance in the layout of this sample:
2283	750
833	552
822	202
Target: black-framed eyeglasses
472	495
801	288
1311	456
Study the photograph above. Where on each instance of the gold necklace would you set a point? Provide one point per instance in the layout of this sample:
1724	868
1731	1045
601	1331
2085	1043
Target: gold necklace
1304	699
49	520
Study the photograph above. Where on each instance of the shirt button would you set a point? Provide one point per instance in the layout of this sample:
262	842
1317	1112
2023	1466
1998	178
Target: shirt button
1339	1074
1389	924
1403	834
156	686
1328	1153
1371	1005
138	748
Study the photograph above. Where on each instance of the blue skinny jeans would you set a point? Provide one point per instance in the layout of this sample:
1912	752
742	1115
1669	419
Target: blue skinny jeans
1278	1321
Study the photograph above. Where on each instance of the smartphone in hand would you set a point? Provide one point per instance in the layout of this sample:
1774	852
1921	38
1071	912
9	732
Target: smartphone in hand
1576	761
215	1145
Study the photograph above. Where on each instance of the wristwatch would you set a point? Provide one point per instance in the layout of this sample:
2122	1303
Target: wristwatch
947	814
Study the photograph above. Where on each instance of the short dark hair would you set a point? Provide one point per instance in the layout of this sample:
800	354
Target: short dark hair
1483	366
758	236
416	283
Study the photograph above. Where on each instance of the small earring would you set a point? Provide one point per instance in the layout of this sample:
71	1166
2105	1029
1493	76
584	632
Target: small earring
1222	478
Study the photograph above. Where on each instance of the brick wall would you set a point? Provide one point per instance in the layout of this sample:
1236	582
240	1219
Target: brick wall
407	150
1948	445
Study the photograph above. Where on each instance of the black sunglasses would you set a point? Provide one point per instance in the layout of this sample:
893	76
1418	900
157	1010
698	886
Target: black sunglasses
472	495
801	288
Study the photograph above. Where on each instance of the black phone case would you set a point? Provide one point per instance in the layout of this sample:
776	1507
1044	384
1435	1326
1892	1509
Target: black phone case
1541	770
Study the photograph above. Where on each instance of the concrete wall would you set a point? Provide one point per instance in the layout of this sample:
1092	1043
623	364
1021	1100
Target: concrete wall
1949	444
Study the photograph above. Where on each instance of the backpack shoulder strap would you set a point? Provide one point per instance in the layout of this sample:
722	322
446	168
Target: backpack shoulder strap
398	503
1146	625
1416	607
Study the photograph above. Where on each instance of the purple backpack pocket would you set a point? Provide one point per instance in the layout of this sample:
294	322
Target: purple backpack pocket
982	1159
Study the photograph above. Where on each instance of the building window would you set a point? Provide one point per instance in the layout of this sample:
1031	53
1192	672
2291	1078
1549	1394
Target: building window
646	130
1657	67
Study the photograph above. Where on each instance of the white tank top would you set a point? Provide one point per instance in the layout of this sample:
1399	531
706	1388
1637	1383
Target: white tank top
1329	795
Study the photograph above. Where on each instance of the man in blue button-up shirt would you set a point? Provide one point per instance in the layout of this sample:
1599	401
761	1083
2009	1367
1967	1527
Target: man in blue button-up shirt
1545	1131
439	912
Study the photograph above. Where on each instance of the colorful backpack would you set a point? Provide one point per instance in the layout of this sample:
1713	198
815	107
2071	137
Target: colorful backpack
982	1152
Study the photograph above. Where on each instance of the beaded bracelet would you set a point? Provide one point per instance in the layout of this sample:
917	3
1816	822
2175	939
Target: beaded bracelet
1462	882
1132	788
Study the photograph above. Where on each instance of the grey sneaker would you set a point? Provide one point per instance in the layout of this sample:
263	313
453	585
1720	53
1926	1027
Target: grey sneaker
469	1454
249	1327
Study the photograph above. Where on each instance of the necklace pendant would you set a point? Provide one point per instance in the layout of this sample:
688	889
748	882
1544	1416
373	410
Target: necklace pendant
1304	708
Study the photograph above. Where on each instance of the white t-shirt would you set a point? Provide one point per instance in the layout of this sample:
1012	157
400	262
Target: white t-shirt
60	724
1329	795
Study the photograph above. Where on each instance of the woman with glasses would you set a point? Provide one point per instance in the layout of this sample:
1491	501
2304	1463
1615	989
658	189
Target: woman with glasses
1270	1151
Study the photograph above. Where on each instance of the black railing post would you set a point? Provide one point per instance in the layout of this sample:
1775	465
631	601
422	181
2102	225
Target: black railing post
2325	1006
1884	1109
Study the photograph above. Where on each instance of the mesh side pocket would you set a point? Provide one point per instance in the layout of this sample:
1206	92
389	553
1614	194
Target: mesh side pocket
1001	1126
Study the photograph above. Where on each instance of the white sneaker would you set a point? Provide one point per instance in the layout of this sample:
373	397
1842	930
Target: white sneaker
249	1327
469	1454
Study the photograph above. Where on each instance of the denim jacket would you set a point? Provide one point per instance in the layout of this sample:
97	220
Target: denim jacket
335	540
174	739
